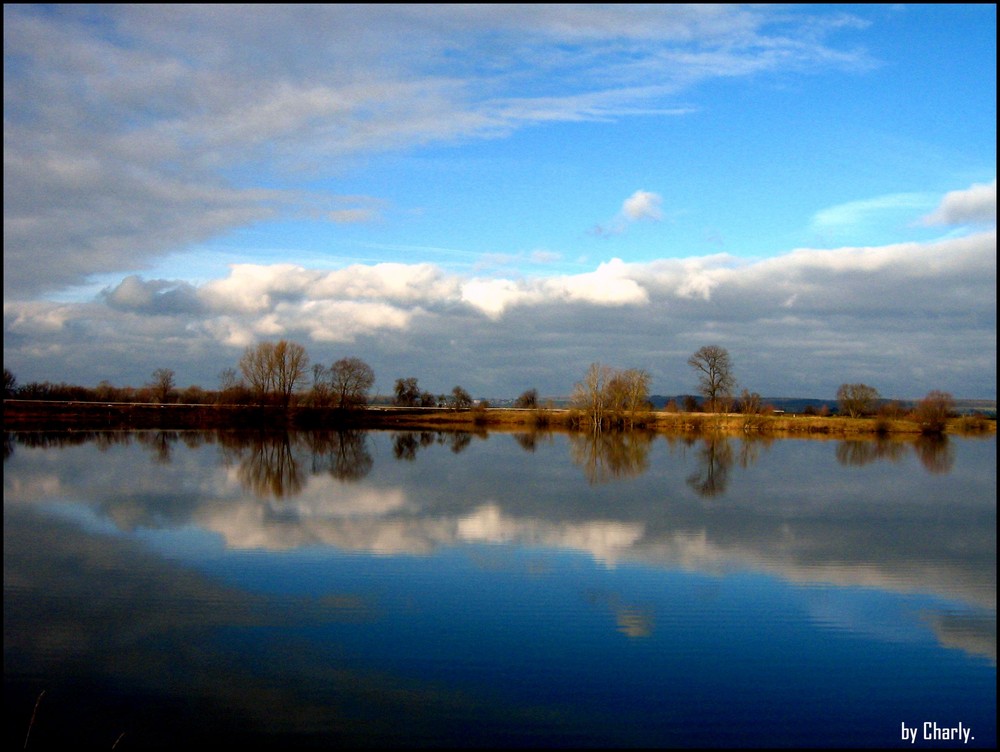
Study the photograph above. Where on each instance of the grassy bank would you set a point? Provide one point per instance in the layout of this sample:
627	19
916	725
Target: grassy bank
37	415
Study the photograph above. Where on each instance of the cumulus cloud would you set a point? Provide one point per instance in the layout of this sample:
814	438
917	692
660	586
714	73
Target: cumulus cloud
799	323
974	205
640	206
153	296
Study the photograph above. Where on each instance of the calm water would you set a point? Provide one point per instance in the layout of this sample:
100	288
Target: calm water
381	588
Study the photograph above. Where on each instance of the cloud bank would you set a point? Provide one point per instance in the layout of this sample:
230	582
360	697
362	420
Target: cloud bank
801	323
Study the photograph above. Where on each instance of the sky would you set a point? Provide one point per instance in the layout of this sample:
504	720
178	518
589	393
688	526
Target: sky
498	196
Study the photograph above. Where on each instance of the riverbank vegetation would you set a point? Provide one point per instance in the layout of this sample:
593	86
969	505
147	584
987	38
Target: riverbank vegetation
272	389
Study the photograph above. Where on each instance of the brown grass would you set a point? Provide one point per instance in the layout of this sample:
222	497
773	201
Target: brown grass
29	416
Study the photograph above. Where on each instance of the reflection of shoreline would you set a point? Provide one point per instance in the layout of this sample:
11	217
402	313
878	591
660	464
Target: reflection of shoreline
935	453
273	465
946	549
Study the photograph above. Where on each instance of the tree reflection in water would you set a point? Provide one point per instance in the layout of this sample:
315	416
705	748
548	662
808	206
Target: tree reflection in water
714	460
405	444
342	454
277	464
160	442
935	453
609	455
863	451
271	469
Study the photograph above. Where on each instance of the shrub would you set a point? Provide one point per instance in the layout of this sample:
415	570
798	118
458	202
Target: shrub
933	411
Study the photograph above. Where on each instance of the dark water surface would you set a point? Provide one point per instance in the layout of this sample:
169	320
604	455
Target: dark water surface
426	589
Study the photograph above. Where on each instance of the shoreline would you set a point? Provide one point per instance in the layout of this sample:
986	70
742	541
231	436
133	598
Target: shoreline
30	415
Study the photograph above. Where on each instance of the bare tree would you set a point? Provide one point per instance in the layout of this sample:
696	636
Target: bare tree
715	376
407	392
256	366
290	364
528	399
232	389
752	407
591	394
857	399
608	395
228	379
162	384
319	394
636	381
628	394
350	380
9	383
933	411
275	368
460	399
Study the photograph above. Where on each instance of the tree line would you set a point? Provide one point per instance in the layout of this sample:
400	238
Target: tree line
278	373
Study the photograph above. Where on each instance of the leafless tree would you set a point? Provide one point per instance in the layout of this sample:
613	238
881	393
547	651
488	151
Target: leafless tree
460	399
856	400
591	394
9	383
607	395
162	384
715	376
290	364
407	392
628	393
933	411
319	394
275	368
528	399
350	380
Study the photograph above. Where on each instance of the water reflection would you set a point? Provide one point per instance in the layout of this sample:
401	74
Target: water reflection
373	588
632	620
714	460
344	455
277	463
605	456
864	451
936	453
406	444
268	467
803	510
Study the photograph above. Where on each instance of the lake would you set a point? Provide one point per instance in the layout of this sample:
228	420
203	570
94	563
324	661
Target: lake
516	590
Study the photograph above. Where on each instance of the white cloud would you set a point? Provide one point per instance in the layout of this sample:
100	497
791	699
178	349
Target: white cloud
401	283
605	540
643	205
800	323
254	288
610	284
493	296
853	213
37	317
974	205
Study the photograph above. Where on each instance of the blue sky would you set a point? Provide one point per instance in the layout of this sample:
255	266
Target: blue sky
498	196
